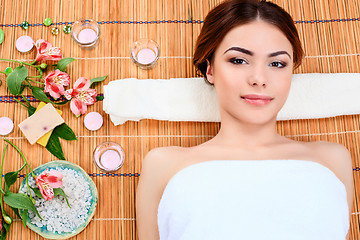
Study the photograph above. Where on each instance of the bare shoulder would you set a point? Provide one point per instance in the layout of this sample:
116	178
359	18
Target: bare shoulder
149	190
338	158
159	162
332	153
159	158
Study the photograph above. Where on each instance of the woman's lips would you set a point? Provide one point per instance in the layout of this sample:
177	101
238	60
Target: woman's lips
257	99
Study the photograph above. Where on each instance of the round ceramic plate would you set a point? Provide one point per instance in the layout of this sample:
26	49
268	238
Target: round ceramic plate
65	164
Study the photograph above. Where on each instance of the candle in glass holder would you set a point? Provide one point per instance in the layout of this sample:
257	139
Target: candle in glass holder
145	53
110	159
87	35
109	156
146	56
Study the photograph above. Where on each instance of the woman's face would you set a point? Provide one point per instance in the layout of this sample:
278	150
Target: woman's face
251	72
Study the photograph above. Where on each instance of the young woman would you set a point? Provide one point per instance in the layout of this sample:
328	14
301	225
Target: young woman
248	182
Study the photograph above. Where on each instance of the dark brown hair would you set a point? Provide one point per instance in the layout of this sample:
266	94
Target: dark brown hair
233	13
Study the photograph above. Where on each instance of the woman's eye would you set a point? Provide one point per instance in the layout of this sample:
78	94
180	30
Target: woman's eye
237	61
278	64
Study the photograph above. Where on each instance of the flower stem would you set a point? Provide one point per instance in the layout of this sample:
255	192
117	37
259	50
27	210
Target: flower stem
27	181
1	171
2	191
34	76
10	60
3	72
20	103
22	155
27	101
35	81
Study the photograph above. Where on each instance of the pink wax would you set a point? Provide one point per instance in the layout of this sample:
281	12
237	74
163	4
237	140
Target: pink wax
146	56
87	35
110	159
24	44
6	126
93	121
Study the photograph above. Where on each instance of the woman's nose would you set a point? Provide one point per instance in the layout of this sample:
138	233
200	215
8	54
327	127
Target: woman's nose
257	79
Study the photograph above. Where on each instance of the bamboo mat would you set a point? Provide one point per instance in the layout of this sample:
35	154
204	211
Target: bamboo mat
329	30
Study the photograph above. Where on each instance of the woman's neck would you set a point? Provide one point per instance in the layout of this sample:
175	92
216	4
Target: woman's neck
247	135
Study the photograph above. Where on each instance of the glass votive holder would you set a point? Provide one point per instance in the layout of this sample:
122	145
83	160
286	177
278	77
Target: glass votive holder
145	53
86	33
109	156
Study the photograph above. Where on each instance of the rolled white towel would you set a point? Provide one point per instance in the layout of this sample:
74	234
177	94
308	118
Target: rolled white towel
314	95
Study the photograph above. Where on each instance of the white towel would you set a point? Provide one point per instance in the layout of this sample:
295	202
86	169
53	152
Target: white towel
254	199
314	95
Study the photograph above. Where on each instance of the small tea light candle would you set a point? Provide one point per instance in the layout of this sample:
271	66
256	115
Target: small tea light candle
86	36
24	44
109	156
6	126
145	53
110	159
93	121
146	56
86	33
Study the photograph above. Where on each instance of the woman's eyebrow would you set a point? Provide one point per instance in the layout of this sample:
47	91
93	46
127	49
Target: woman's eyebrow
248	52
239	49
274	54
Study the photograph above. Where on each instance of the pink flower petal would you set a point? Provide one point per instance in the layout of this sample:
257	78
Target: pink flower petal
68	94
82	84
75	106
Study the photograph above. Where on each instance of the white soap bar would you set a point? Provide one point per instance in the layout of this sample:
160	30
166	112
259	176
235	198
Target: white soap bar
41	122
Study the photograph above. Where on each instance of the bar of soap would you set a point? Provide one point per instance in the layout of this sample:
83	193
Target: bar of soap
41	122
44	139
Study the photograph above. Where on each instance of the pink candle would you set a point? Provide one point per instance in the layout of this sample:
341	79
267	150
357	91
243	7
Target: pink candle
24	44
93	121
87	35
110	159
6	126
146	56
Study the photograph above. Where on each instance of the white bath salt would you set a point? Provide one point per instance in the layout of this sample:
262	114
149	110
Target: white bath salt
93	121
24	44
6	126
57	215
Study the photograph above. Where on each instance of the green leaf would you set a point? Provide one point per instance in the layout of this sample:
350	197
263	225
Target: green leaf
24	216
98	79
5	230
22	88
10	179
31	110
21	201
99	98
60	192
62	64
65	132
39	94
37	192
16	211
54	147
15	79
62	102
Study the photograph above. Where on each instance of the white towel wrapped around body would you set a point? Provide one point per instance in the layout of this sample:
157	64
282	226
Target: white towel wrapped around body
314	95
254	200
